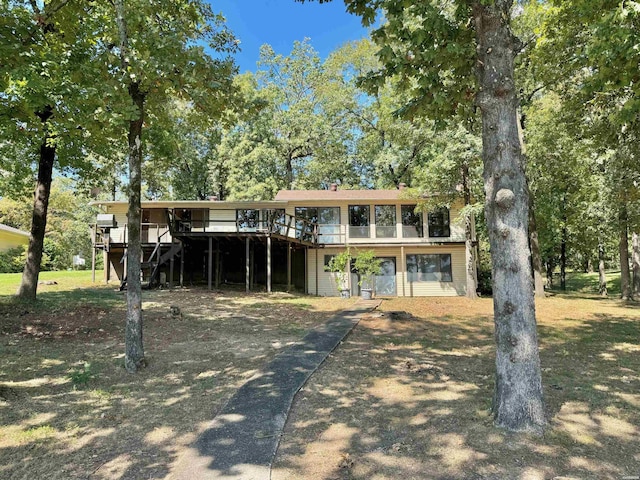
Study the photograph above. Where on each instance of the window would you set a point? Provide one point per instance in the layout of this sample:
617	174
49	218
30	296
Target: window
306	217
247	220
439	223
308	213
411	221
191	220
275	220
327	259
359	221
429	268
327	218
385	221
329	224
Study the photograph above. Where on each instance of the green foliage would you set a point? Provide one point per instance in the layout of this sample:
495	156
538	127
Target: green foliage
12	260
419	34
67	232
338	265
298	138
367	266
339	262
81	376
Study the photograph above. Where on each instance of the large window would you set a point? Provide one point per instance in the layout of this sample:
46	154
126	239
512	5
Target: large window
247	219
274	219
359	221
329	224
411	221
385	221
327	218
306	217
429	267
439	223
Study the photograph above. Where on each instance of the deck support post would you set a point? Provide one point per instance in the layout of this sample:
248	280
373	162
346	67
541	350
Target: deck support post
306	270
171	266
124	252
252	271
247	265
182	266
209	262
403	266
289	267
93	253
217	263
269	264
107	267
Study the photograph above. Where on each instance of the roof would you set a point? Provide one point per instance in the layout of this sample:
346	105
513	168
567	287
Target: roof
9	229
339	195
188	203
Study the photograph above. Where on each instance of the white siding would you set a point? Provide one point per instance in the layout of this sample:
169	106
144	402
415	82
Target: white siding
228	221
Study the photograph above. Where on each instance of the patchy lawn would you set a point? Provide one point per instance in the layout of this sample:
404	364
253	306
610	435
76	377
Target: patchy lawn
408	396
69	410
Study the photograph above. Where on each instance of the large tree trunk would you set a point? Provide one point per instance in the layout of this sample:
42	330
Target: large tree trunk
635	262
602	274
563	256
625	276
518	400
536	259
470	239
134	351
31	272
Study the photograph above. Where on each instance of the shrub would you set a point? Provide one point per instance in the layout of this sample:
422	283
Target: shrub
12	261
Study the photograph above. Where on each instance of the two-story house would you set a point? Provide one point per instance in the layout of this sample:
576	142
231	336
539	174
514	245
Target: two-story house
288	242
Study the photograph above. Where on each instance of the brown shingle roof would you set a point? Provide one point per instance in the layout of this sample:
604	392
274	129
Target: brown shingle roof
338	195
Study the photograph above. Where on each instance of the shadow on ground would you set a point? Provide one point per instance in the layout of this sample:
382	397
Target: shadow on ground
69	410
408	396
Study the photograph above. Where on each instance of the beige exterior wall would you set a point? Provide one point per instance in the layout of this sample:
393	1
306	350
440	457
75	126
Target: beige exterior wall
318	281
326	285
9	240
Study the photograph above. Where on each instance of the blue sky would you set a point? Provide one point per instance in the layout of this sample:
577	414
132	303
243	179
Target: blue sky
281	22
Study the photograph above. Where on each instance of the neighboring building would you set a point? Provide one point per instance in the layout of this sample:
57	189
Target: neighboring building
289	240
12	238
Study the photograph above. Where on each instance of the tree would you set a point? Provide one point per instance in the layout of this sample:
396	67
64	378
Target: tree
440	50
300	134
453	173
562	179
596	43
154	51
45	107
182	153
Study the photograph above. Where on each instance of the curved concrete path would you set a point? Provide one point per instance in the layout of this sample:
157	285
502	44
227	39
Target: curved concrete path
243	438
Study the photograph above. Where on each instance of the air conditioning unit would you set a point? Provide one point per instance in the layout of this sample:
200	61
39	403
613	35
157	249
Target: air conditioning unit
106	220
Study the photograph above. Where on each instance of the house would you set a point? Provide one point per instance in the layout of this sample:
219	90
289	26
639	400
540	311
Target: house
289	240
12	238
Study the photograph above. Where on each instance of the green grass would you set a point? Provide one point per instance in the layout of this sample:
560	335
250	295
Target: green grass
73	288
9	282
580	282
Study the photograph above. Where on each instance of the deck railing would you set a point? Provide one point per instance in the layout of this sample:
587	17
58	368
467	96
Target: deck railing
284	225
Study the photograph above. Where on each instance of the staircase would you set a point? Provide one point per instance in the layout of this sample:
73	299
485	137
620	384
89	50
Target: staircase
150	268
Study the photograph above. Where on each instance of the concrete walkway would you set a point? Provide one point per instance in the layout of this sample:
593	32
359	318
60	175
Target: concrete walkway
243	438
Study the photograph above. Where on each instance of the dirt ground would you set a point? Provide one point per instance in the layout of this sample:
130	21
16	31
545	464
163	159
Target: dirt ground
69	410
408	396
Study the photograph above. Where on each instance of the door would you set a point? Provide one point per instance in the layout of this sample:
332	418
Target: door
385	283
